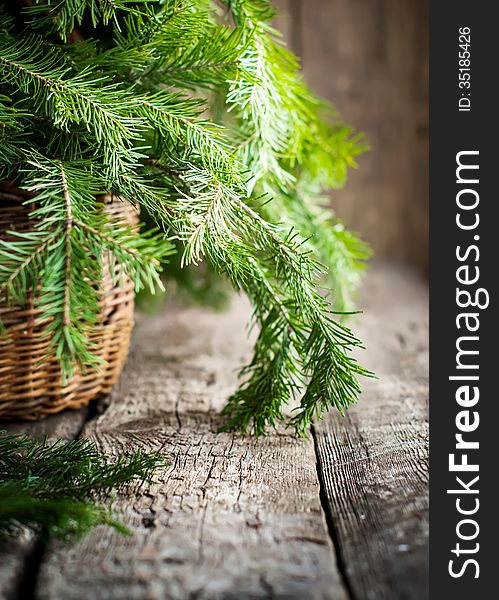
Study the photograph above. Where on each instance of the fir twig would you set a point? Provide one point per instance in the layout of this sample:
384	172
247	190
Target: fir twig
54	487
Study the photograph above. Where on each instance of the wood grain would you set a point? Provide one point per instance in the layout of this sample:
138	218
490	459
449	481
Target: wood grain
374	462
231	517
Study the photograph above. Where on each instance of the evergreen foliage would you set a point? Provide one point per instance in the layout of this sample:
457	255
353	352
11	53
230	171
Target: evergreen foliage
195	111
53	488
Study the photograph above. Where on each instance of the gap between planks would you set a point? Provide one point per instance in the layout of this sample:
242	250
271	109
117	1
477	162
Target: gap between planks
232	517
20	563
237	518
374	463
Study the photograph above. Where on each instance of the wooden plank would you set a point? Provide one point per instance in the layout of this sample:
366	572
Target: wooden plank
374	462
12	561
370	58
64	426
231	517
18	558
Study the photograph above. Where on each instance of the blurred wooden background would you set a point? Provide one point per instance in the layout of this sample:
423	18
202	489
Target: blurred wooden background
370	58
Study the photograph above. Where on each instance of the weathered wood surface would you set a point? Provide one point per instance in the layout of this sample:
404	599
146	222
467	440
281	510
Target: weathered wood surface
63	426
13	566
374	463
234	517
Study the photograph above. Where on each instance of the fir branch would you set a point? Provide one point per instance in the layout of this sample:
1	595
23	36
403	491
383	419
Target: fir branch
21	261
68	297
53	488
141	256
81	99
73	226
211	60
66	320
62	16
280	119
247	197
223	234
212	220
327	238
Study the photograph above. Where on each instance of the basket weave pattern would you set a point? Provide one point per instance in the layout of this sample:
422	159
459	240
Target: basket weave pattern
30	376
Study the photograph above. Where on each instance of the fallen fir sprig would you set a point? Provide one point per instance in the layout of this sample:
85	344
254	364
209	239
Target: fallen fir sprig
56	488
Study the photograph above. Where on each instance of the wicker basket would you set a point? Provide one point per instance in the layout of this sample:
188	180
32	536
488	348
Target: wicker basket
30	378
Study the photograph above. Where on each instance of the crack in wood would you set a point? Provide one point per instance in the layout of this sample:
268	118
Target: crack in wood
27	584
340	563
